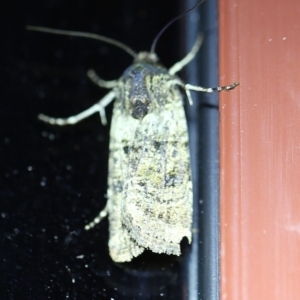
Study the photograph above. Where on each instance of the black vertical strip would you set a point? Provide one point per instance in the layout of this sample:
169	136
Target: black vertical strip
193	263
203	268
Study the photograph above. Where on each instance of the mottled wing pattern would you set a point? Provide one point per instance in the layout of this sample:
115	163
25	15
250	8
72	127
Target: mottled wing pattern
121	245
157	203
150	188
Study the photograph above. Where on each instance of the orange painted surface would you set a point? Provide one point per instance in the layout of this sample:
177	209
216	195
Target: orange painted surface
260	150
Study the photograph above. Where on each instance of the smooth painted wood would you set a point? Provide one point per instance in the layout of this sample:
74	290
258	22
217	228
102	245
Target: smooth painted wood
260	150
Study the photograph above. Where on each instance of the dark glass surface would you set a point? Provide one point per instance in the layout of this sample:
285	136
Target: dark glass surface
53	179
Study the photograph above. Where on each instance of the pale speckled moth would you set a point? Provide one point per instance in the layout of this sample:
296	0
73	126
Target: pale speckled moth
149	182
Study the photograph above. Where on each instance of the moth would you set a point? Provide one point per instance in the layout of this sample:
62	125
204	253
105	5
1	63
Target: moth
149	193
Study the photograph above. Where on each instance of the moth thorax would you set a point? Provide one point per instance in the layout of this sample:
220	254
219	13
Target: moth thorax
149	57
139	107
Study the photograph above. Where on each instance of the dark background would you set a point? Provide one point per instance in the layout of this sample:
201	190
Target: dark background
53	179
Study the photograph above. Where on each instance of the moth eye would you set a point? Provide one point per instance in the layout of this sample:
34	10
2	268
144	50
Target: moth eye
139	110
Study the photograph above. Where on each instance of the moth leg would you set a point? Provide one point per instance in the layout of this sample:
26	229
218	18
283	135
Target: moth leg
180	64
98	107
181	84
210	90
103	213
189	96
91	74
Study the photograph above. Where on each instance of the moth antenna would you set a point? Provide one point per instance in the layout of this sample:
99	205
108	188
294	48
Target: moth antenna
85	35
153	46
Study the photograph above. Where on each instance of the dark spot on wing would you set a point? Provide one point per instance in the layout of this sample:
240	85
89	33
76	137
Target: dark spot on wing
157	145
126	149
139	110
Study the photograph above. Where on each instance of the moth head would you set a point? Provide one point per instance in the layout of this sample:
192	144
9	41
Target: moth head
148	57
